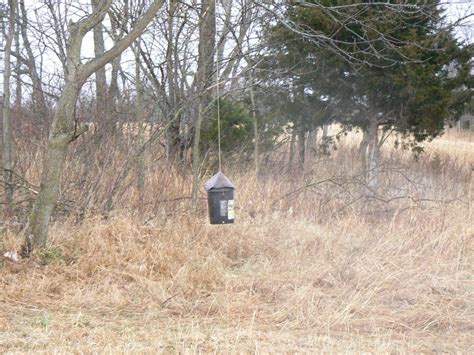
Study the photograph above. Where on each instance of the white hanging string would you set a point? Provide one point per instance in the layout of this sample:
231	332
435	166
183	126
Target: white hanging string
219	122
218	113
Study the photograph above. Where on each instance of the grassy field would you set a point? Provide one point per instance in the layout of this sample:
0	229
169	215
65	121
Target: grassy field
311	265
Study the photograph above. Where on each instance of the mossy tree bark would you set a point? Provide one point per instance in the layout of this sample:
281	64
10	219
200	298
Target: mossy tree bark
64	129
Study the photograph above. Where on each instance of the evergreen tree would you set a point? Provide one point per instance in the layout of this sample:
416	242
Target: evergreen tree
390	69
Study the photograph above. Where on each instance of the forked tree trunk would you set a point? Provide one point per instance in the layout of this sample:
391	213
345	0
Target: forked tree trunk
64	129
62	133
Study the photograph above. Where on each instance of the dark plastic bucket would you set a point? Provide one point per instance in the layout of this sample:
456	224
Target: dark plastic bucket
221	205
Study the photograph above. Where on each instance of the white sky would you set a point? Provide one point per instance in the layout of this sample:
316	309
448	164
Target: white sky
462	9
455	10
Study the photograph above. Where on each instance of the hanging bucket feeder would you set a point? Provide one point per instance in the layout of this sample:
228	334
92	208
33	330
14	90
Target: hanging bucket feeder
220	199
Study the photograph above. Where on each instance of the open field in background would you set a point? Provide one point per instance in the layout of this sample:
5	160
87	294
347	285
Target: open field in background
311	264
454	143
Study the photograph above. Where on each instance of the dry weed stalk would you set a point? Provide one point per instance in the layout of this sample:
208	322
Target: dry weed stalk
323	268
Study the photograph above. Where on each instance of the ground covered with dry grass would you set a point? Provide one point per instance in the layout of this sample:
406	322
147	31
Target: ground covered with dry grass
312	264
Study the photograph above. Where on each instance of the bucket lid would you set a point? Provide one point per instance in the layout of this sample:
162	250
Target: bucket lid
217	181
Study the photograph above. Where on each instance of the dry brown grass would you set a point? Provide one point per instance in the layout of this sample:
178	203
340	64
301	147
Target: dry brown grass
310	266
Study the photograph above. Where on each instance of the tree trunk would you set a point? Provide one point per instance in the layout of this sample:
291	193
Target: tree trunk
255	127
301	148
174	143
62	133
102	112
196	164
206	48
140	136
325	140
18	88
227	6
373	153
471	196
116	33
7	131
292	149
173	133
64	129
364	144
312	142
39	100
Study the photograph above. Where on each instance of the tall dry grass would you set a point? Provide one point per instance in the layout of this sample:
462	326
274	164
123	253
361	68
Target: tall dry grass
313	262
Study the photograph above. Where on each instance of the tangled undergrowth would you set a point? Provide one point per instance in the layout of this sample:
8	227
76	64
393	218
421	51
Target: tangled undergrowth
311	264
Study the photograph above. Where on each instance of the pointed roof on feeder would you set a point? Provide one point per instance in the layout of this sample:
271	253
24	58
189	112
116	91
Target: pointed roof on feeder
218	181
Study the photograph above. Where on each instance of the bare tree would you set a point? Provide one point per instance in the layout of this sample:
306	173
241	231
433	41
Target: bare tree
207	35
102	109
64	128
7	131
256	153
140	112
39	100
18	86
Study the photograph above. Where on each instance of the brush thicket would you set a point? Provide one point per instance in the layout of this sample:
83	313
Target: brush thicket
313	262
